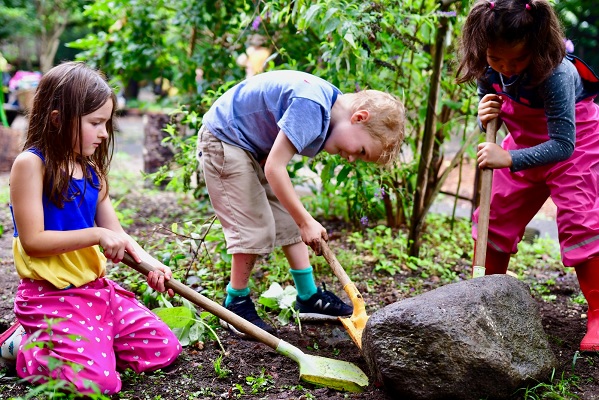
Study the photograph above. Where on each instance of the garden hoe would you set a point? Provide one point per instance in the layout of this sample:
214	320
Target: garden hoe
480	252
335	374
355	324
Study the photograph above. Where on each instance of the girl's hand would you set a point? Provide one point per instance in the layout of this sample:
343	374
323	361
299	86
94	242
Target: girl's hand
115	244
312	233
489	108
491	155
157	278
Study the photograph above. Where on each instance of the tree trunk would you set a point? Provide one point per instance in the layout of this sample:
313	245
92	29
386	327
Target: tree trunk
428	141
54	16
155	153
11	144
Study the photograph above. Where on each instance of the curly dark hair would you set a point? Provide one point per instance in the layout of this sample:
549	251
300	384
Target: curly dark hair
511	22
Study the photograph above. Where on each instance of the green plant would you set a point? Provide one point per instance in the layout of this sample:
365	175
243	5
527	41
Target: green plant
387	247
221	370
557	388
542	250
128	375
238	389
578	298
543	290
125	215
277	298
260	383
305	393
185	321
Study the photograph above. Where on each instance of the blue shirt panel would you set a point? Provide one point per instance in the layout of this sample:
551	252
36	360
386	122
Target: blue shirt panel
251	113
79	212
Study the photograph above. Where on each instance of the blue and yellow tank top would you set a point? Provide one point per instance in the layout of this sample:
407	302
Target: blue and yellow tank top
74	268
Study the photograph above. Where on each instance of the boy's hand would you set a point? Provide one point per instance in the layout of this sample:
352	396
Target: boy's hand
489	108
312	233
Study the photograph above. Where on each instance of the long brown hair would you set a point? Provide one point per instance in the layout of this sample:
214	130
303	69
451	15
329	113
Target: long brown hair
510	22
74	90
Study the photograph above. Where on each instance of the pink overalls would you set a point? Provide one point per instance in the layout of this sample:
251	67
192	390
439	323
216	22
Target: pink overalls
103	329
573	184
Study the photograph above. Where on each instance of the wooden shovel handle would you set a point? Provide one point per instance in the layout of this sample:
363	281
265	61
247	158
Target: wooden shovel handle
484	209
335	265
207	304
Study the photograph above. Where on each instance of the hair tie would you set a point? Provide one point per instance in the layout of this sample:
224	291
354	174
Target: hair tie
527	7
491	5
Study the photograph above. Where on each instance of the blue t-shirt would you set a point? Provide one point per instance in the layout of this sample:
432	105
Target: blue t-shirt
251	113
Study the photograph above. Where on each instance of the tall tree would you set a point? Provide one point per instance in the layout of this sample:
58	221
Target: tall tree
53	17
40	21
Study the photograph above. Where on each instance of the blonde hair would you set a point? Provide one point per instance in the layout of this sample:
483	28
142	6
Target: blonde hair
386	122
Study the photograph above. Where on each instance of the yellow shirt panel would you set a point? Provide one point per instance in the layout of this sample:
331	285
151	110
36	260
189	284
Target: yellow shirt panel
74	268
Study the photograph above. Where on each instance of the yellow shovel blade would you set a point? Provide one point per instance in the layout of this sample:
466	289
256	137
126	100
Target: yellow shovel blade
352	326
355	324
328	372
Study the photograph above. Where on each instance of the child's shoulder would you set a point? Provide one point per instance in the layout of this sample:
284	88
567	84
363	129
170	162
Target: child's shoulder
26	161
564	72
30	156
566	66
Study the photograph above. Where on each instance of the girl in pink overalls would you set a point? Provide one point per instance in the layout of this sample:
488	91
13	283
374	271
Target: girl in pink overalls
62	215
516	51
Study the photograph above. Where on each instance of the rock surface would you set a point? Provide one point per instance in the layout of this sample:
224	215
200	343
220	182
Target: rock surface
481	338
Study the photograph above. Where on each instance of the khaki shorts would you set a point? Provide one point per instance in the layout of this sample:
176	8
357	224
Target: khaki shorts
253	220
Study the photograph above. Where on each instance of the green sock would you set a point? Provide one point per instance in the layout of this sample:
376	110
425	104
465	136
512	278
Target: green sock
232	293
304	282
8	349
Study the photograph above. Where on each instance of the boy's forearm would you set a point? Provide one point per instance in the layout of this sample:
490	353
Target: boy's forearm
275	170
283	188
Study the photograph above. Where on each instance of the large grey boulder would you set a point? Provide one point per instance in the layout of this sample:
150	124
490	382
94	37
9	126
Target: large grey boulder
477	339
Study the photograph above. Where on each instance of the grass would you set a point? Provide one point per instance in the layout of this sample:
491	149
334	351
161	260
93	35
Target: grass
558	388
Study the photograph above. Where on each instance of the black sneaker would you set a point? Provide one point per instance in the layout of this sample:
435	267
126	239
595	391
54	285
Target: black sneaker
244	307
322	305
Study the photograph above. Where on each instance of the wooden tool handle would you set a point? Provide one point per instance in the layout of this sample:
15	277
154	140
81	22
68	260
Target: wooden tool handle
335	265
209	305
484	209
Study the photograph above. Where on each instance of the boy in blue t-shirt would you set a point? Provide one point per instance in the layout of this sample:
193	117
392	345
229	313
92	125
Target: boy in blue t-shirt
248	137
